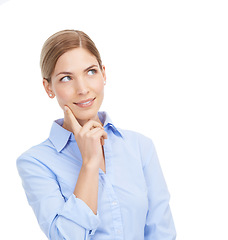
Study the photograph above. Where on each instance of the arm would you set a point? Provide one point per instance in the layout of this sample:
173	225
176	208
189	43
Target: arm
159	222
58	218
74	218
90	139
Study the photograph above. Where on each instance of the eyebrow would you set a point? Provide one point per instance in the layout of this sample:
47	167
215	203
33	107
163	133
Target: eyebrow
70	73
92	66
65	73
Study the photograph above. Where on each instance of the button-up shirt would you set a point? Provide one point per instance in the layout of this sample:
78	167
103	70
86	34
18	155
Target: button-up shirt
133	200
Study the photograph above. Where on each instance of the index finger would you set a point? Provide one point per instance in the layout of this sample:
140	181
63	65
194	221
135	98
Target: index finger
71	120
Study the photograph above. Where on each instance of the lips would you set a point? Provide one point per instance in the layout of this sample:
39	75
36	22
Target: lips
85	103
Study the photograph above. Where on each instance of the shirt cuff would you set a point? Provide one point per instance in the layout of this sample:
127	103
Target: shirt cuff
78	211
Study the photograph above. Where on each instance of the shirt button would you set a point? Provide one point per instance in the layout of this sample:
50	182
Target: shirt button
114	203
118	231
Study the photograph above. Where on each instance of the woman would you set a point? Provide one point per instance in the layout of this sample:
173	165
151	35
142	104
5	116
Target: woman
90	179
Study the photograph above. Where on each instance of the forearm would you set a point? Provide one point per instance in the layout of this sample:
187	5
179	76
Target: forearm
86	187
88	138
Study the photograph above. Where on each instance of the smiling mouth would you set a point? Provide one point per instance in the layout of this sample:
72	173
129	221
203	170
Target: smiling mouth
86	103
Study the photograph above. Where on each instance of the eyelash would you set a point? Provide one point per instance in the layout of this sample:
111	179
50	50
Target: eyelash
61	80
94	72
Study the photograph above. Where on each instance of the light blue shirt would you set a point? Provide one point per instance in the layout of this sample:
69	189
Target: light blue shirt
133	200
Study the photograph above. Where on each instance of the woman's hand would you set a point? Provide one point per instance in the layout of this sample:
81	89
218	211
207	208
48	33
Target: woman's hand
90	138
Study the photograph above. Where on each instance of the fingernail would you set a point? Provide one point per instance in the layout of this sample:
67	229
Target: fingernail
65	108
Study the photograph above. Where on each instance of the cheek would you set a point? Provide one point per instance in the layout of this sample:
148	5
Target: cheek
99	87
63	96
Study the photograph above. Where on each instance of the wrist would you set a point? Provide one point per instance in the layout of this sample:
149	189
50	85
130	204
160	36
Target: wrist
90	165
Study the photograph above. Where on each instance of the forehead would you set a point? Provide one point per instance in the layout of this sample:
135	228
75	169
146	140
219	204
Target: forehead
77	58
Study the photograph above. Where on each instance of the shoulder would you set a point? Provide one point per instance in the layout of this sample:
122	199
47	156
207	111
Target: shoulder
140	138
36	154
141	142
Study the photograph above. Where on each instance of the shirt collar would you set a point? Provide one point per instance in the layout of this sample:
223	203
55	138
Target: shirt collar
108	124
59	136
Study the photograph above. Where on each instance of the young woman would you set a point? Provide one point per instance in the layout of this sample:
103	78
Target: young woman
90	179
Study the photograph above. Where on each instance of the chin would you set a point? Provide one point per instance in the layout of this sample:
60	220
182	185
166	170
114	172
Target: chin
84	116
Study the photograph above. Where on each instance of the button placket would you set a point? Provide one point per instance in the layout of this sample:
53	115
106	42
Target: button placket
116	212
114	203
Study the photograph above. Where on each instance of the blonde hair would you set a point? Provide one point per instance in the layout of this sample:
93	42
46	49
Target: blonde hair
61	42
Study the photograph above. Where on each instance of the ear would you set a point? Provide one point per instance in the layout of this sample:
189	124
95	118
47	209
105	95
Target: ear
104	74
48	88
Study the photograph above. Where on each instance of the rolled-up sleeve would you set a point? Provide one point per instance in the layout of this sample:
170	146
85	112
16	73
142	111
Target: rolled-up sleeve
59	218
159	221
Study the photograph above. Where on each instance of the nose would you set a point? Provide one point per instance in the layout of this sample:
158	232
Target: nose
82	88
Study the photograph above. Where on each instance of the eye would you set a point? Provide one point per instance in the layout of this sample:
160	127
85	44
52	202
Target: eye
92	72
65	79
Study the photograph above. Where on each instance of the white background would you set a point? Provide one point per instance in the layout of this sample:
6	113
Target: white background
167	72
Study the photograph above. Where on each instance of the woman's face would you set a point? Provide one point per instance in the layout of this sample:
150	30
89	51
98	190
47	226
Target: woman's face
78	82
